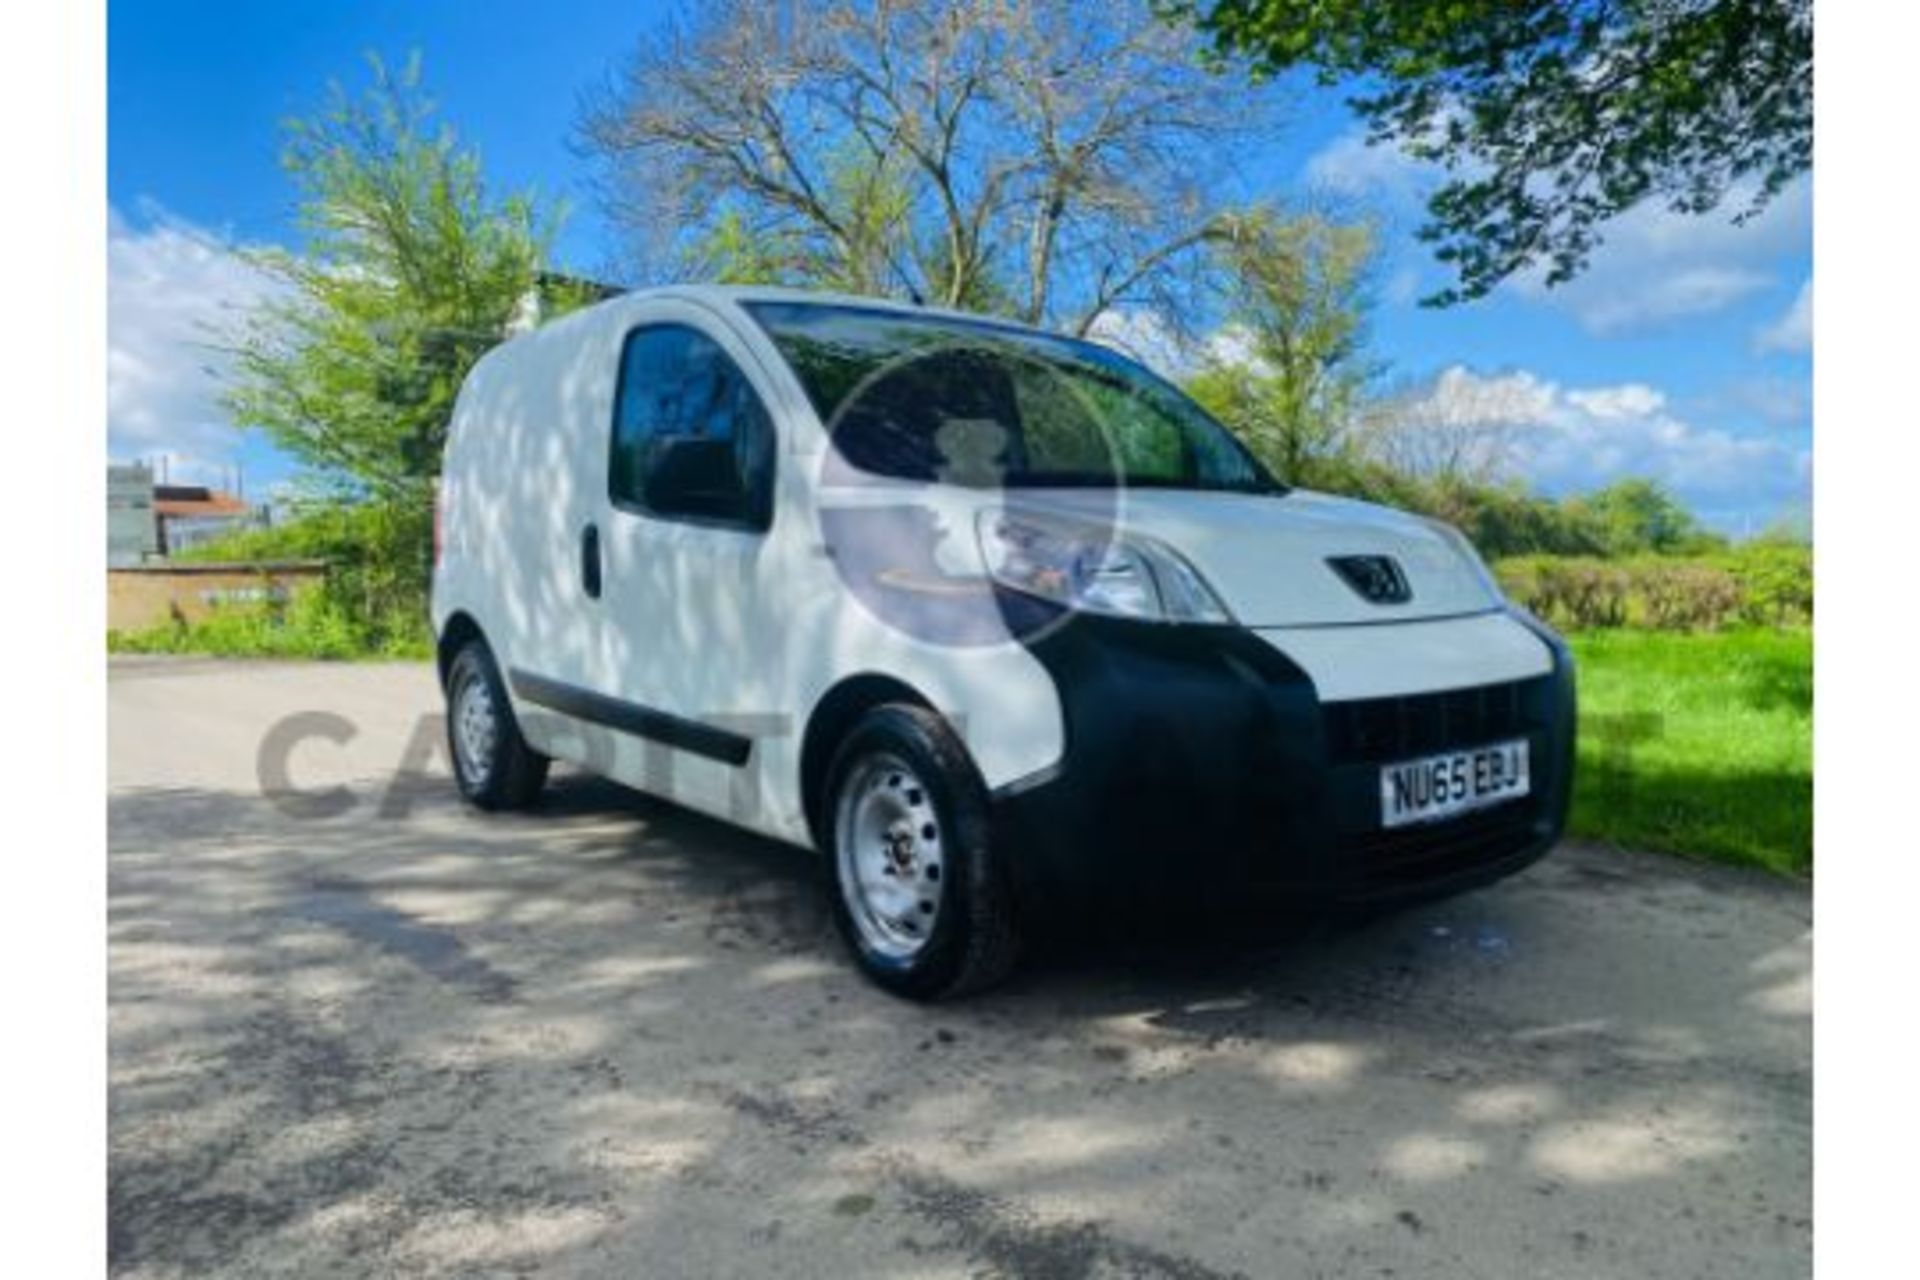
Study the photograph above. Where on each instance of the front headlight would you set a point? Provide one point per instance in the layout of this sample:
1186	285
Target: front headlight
1094	570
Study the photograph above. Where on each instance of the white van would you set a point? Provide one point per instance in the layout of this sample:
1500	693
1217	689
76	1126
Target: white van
1001	623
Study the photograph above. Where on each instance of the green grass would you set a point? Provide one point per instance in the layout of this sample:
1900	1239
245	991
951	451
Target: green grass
1700	745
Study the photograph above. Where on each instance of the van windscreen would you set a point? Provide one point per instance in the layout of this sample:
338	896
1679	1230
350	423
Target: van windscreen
938	398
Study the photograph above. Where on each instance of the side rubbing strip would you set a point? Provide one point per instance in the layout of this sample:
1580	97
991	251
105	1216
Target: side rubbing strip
630	717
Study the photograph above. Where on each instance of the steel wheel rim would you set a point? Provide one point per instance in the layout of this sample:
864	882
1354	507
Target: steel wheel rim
476	726
888	844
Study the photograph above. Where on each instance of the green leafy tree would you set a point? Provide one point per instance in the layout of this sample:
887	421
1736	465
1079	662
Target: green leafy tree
733	252
869	198
1291	371
1553	116
1638	515
408	273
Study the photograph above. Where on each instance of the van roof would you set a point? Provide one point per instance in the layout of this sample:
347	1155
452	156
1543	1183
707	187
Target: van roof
721	296
743	294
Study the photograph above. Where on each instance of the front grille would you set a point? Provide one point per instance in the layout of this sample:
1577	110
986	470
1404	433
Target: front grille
1384	730
1400	858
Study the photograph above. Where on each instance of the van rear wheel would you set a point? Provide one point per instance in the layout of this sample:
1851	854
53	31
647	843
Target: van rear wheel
917	891
492	763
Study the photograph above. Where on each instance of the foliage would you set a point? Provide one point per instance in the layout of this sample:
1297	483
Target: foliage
1499	518
1685	595
1049	161
1299	389
1502	518
1700	745
728	252
1636	515
409	273
1551	117
1632	517
379	562
1296	316
312	625
1571	593
1776	582
1755	585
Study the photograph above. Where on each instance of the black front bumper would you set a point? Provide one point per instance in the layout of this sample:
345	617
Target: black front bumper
1203	774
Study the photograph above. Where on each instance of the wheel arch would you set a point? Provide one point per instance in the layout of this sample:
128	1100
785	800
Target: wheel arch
454	635
832	717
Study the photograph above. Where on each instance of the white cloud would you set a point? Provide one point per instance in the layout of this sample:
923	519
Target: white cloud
1572	440
1628	400
1349	166
1792	332
1464	398
174	294
1232	344
1654	267
1146	336
1657	266
1690	291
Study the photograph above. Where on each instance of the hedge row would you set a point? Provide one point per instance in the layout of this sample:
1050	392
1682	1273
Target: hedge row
1754	585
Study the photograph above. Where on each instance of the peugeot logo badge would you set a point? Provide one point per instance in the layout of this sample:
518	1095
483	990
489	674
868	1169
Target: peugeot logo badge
1376	578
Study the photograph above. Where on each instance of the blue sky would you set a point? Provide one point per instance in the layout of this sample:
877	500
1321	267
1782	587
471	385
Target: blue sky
1685	352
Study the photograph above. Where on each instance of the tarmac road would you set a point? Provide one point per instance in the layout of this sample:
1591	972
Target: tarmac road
377	1034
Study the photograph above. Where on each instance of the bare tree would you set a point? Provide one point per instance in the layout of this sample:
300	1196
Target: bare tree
1047	160
1455	428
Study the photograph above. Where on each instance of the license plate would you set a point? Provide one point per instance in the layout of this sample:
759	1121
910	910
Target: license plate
1452	782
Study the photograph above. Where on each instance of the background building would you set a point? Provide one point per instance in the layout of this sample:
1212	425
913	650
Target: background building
132	533
146	520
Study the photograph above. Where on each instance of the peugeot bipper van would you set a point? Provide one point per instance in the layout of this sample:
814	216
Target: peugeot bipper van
1001	624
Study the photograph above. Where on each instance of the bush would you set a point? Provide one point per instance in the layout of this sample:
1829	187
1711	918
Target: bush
1574	592
1767	585
1685	595
1776	582
310	626
373	603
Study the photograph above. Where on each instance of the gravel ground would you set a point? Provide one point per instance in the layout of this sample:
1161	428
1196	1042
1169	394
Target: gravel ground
376	1034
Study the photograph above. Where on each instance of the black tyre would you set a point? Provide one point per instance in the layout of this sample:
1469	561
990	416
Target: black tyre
492	763
917	891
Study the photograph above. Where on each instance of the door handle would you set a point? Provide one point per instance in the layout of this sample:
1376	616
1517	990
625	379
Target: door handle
590	561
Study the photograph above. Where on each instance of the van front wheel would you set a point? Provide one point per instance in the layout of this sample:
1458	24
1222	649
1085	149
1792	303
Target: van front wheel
492	763
918	894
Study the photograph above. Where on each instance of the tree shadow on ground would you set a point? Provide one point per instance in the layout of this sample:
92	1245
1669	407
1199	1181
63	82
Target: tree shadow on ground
613	1036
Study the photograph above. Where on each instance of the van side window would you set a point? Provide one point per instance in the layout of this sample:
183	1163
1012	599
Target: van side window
691	438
